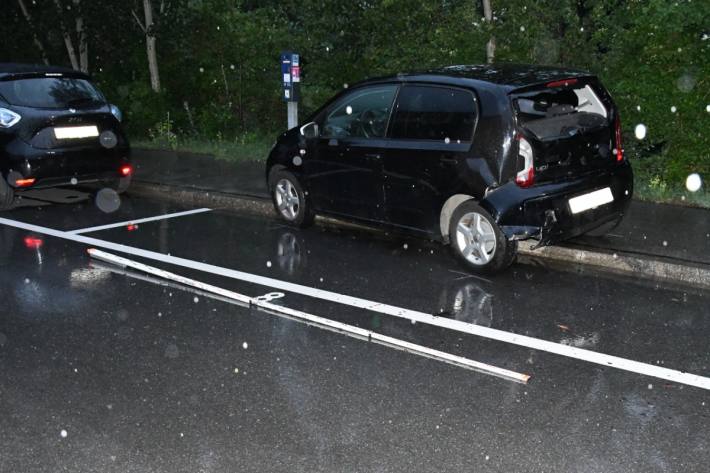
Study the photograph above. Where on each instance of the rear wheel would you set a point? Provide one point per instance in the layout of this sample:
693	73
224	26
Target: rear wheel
290	201
478	242
7	195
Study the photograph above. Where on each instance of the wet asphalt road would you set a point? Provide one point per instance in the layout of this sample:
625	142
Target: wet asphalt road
108	371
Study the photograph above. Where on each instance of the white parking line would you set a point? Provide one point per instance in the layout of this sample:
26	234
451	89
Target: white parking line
311	319
140	220
463	327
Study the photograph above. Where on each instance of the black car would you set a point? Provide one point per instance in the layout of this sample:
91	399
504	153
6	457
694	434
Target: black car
476	156
56	128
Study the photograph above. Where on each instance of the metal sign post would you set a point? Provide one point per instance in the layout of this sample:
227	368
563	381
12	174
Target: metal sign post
291	77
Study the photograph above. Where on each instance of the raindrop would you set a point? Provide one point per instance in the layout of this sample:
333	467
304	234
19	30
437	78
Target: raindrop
522	28
638	108
650	386
202	69
297	161
707	108
236	370
405	246
171	351
63	434
268	264
640	131
674	109
27	280
107	200
665	243
231	66
447	140
345	86
693	182
581	29
245	345
686	83
196	300
74	181
349	110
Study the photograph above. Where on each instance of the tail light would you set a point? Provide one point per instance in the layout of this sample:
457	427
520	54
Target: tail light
24	182
619	150
126	170
526	176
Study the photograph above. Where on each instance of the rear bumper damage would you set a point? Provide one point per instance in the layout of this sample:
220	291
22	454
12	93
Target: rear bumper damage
543	213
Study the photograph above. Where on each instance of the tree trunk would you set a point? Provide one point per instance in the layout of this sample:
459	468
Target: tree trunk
150	46
491	46
81	37
35	38
67	38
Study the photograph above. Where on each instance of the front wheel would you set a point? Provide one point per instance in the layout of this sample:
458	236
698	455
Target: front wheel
478	242
290	201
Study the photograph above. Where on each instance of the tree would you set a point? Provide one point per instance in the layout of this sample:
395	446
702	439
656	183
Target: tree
78	62
491	45
148	28
35	37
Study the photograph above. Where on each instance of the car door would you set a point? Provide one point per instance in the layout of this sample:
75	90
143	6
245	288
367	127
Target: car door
430	138
344	164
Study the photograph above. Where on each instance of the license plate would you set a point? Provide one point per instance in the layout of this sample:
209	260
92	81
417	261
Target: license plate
590	201
74	132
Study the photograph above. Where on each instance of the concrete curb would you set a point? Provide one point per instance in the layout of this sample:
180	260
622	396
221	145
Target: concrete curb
618	263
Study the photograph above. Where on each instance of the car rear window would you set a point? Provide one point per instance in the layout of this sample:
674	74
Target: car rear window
434	113
51	92
556	112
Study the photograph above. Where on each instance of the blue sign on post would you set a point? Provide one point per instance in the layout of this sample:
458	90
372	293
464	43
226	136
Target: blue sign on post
291	75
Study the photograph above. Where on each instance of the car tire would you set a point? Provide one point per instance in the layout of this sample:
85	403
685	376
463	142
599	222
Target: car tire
290	201
604	229
7	195
478	242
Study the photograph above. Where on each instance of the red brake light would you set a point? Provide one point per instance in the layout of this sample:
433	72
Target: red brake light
526	176
24	182
126	170
617	134
33	243
563	82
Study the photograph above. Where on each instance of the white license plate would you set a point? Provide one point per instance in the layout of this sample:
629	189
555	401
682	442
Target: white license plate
590	201
74	132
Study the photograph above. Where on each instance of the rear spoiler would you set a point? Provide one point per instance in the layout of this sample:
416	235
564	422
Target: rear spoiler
556	82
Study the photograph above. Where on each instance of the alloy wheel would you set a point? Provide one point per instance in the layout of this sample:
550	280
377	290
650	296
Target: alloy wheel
476	238
287	200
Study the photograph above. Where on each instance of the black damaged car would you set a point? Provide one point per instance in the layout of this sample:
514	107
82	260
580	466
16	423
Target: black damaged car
475	156
57	129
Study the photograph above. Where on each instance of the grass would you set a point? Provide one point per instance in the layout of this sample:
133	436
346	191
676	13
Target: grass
248	147
650	187
255	147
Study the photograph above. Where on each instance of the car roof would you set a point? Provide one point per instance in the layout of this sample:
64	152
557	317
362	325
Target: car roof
506	75
12	69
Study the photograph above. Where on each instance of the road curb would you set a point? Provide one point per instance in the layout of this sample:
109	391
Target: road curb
619	263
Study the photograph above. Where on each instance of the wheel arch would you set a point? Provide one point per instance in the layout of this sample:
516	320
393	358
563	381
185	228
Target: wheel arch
447	210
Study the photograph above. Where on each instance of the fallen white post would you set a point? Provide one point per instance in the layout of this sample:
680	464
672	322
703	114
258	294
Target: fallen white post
315	320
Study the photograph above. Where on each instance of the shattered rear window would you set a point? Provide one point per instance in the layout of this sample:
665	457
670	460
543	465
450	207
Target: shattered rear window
560	112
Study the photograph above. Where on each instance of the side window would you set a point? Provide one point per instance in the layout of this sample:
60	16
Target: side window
363	113
434	113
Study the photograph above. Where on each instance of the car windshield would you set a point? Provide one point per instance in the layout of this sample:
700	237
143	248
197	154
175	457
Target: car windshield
51	92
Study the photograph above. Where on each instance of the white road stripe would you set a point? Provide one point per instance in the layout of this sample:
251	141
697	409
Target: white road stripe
490	333
311	319
140	220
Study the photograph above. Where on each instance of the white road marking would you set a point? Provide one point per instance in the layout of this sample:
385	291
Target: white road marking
263	302
421	317
140	220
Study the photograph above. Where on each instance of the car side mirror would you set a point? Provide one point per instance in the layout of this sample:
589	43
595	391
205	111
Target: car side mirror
310	130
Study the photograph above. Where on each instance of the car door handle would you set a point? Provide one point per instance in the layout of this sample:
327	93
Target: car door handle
373	155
